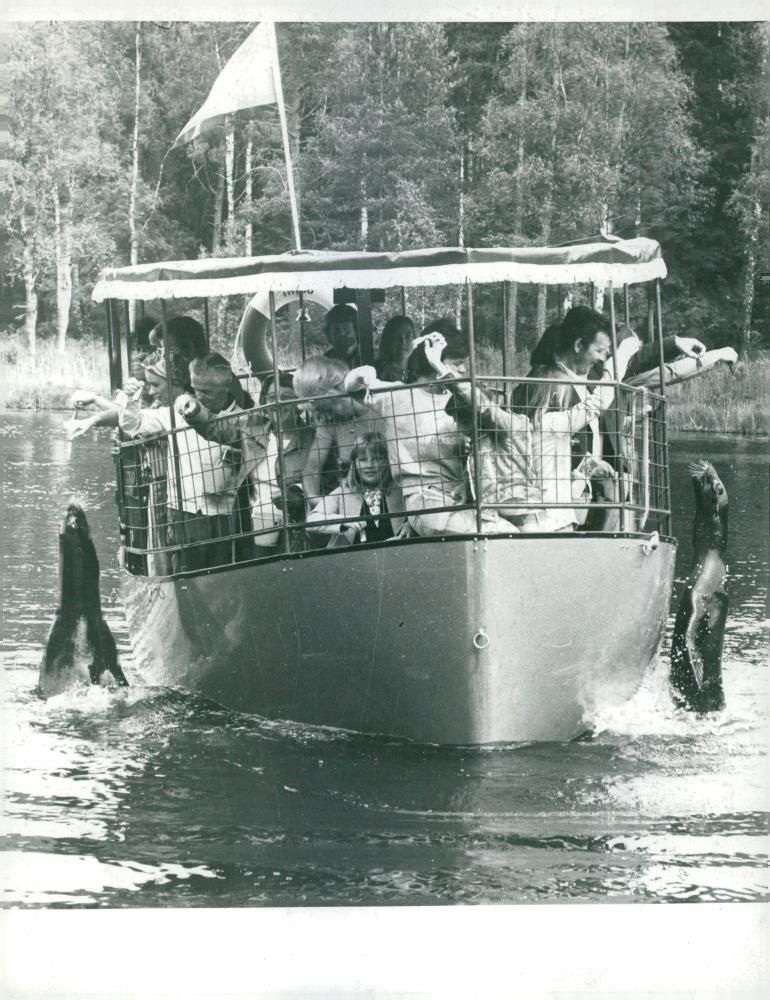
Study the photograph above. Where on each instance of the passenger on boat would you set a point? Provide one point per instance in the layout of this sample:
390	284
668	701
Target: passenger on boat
189	336
368	499
507	472
106	414
564	350
184	333
556	420
245	433
255	434
279	487
341	330
145	467
395	345
202	476
339	422
577	318
427	452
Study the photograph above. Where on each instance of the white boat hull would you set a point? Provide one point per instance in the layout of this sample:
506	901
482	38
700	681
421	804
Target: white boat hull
458	641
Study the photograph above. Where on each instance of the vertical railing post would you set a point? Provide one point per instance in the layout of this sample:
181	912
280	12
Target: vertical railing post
206	323
113	347
110	349
645	458
302	324
278	428
650	338
126	353
505	331
173	432
626	306
616	444
475	436
664	429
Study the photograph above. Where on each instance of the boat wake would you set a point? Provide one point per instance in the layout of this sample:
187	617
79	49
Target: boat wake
651	711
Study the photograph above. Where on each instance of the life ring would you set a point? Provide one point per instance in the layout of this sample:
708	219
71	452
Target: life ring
253	337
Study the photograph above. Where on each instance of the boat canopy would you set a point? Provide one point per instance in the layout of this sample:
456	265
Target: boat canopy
622	262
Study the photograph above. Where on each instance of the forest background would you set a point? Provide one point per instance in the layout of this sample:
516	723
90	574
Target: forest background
402	135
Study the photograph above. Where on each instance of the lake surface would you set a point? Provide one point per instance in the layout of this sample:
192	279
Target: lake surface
149	798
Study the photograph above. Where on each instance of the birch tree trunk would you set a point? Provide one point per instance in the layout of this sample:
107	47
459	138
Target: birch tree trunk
750	273
230	183
461	234
216	234
512	287
133	235
62	205
30	290
364	214
542	290
511	314
249	232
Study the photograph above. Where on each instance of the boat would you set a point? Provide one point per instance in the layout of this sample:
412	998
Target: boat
465	639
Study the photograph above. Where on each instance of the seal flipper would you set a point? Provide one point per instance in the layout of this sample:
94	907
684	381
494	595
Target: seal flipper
711	634
105	652
59	655
693	637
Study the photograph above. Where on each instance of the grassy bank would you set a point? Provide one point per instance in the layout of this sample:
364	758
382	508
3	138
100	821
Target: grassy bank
48	380
724	403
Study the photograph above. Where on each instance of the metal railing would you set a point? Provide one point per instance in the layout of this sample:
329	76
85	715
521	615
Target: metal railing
523	455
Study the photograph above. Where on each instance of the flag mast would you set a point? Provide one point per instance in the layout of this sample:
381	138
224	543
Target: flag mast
246	81
285	135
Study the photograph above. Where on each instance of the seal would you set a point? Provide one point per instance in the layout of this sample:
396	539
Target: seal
696	648
80	646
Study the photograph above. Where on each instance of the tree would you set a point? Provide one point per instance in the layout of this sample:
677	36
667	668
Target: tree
750	201
60	109
386	139
589	134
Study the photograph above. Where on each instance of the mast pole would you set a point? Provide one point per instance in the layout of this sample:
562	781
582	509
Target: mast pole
285	136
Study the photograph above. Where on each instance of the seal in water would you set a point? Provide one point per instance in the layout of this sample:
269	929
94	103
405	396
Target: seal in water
80	645
696	649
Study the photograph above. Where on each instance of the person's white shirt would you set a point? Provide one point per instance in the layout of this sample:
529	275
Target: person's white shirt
206	473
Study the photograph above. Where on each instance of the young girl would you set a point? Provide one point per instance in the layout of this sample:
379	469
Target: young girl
339	422
368	498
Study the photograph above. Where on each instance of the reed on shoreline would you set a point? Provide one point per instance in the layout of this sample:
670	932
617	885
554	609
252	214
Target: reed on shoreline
724	402
47	381
718	401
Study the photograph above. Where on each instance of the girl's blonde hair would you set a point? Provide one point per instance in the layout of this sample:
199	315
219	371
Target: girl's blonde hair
319	376
375	444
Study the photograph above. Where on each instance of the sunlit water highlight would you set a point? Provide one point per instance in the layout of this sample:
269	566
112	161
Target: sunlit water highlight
148	797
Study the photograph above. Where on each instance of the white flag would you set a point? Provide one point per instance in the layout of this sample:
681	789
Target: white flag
247	81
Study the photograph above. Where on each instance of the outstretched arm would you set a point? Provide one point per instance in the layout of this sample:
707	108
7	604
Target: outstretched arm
365	377
135	421
104	418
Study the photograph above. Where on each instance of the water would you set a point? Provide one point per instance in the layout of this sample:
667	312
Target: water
151	798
